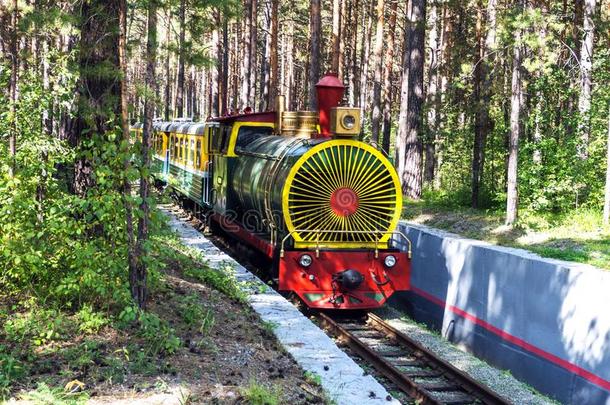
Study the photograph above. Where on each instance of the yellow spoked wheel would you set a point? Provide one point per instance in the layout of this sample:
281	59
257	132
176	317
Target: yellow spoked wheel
342	193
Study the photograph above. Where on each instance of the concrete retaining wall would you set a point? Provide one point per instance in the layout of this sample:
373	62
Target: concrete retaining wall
547	321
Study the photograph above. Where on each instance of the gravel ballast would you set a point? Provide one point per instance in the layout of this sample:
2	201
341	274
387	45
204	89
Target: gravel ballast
500	381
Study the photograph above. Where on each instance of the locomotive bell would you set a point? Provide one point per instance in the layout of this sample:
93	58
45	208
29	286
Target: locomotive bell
349	279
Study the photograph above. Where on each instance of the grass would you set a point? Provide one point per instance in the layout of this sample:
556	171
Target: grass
45	395
577	236
258	394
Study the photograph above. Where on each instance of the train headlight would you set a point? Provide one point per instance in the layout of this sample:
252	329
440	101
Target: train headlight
348	121
305	260
389	261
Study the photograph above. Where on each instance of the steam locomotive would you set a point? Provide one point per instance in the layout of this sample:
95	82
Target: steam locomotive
298	187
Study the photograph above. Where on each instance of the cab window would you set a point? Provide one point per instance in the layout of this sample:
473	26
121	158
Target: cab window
225	135
214	135
220	138
248	134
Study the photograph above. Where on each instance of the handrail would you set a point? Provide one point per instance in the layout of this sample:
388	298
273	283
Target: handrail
318	232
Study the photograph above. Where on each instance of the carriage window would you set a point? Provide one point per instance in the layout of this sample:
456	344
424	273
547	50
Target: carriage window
185	150
248	134
198	154
176	148
192	152
181	149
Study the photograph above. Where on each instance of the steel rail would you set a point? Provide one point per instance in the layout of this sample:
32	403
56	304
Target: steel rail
403	382
462	381
449	371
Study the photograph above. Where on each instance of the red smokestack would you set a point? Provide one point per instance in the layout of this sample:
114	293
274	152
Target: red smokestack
330	93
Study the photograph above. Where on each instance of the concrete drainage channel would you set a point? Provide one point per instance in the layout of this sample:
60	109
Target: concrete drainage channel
545	321
341	377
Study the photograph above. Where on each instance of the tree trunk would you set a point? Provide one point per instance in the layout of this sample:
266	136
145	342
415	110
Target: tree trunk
512	194
444	71
224	80
353	53
13	89
98	47
607	194
482	97
364	56
314	56
168	81
336	39
586	61
253	53
235	68
412	98
387	78
264	73
246	62
273	68
215	70
181	52
138	280
430	147
132	258
290	66
378	63
342	38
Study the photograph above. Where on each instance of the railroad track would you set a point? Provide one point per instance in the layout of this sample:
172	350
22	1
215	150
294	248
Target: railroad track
415	370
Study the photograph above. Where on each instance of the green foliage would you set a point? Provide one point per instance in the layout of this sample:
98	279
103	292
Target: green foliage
45	395
195	315
193	264
313	378
258	394
160	338
37	326
11	370
551	174
91	321
577	235
56	246
269	326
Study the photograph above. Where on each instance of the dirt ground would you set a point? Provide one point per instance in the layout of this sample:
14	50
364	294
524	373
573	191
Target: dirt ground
226	356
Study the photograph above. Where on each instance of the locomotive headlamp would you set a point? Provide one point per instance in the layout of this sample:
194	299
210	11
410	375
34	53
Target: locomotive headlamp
345	121
348	121
389	261
305	260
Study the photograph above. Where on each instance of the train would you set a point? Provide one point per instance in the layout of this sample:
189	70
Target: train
300	189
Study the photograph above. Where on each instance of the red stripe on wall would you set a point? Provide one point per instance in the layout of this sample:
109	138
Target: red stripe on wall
595	379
